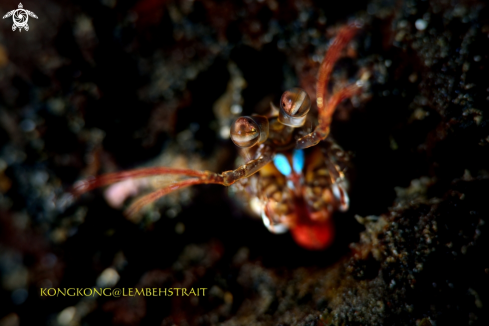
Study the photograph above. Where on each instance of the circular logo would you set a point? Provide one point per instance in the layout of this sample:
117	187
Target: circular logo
20	18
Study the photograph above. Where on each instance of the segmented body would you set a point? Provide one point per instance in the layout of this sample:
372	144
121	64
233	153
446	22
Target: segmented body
301	199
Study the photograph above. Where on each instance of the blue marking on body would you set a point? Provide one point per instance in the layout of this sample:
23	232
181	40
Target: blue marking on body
282	164
298	160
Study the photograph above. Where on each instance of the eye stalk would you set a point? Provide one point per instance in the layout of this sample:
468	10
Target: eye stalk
249	131
294	106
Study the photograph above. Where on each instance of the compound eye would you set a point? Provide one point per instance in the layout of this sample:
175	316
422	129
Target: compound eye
249	131
295	102
294	106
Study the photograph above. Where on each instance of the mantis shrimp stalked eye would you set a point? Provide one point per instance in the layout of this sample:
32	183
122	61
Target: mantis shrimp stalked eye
294	106
288	187
249	131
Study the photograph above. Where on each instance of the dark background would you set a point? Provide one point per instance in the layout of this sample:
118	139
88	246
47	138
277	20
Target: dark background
103	86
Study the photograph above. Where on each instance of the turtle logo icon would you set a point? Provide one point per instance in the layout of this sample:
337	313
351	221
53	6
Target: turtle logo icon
20	16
